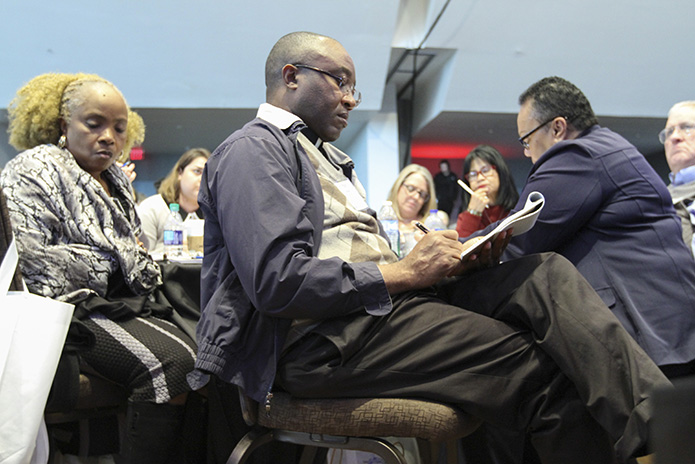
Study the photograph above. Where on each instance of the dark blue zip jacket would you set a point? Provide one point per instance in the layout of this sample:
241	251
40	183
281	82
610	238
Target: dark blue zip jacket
264	212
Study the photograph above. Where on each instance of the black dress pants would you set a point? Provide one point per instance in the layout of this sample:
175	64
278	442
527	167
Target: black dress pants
527	345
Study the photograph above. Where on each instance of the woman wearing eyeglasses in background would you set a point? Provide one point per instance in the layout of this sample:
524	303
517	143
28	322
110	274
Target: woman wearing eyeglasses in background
486	173
412	198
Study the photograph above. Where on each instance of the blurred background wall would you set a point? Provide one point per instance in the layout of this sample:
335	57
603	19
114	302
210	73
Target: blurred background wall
437	77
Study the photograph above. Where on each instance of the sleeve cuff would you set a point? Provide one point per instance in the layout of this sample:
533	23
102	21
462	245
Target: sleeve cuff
372	289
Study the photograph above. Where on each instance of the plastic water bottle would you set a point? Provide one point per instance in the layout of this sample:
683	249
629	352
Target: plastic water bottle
389	220
173	233
195	228
433	221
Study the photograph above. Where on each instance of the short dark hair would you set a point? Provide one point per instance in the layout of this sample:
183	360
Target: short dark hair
507	195
295	47
554	96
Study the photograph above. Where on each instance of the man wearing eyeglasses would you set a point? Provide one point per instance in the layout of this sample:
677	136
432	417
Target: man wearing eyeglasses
301	291
678	138
610	214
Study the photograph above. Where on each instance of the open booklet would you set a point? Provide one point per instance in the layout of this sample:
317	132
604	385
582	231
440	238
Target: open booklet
521	222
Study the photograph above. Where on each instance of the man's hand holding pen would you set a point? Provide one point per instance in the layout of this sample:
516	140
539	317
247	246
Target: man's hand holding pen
437	255
487	256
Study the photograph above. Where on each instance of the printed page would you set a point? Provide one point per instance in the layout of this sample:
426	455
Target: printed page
521	221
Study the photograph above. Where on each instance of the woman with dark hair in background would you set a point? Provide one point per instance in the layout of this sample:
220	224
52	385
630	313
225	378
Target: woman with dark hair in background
495	194
179	186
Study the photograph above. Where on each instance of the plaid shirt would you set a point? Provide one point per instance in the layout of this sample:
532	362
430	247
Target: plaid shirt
351	231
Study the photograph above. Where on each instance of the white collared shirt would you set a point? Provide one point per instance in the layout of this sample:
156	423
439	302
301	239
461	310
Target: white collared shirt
282	119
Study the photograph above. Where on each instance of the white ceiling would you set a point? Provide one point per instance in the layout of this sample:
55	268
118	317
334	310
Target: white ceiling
632	58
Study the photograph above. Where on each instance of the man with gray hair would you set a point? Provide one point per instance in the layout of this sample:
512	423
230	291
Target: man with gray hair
678	138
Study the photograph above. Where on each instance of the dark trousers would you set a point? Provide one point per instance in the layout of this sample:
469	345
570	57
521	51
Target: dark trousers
535	350
227	428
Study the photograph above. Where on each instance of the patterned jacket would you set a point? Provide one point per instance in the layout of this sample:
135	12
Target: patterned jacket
70	234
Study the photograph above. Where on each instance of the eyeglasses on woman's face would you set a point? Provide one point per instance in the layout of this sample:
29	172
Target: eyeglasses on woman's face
484	171
424	196
343	85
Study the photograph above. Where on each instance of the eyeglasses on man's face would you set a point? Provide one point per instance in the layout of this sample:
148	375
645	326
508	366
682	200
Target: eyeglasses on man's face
412	189
522	139
686	129
485	171
343	85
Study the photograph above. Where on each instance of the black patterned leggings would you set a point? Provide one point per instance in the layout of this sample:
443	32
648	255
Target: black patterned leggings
150	357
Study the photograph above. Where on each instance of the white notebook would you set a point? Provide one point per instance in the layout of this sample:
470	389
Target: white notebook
521	222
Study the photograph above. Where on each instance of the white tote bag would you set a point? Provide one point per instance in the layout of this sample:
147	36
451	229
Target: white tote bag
32	335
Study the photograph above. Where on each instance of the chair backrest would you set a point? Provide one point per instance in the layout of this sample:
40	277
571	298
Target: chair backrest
6	239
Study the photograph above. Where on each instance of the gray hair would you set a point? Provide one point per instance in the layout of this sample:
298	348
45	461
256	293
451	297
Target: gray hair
73	97
681	105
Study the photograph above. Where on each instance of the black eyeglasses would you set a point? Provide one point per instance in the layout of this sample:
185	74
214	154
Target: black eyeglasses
412	189
347	89
522	139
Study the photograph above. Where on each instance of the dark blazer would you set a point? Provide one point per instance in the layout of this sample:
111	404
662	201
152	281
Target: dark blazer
610	214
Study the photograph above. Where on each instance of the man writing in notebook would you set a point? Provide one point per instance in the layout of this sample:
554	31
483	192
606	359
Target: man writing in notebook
301	291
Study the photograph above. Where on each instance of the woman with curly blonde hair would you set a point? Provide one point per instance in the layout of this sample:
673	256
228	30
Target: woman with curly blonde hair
37	110
74	219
